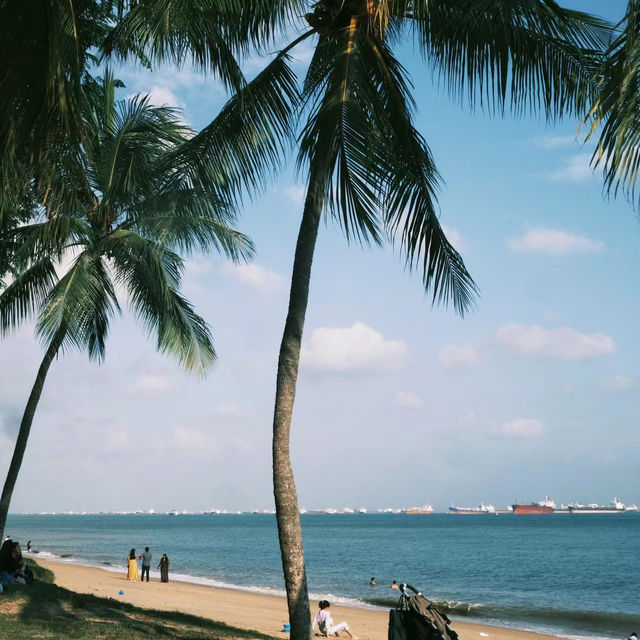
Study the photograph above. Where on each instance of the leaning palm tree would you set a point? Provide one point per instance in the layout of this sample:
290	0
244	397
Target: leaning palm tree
364	161
119	213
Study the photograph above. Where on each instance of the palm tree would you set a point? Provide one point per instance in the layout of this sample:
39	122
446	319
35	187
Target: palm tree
41	93
119	212
365	163
615	114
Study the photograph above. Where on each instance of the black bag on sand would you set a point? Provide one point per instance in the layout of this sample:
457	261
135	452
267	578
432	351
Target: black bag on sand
417	618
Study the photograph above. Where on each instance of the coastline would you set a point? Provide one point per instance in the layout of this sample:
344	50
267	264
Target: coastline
256	611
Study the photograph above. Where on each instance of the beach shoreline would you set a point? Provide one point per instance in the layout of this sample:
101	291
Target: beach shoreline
244	609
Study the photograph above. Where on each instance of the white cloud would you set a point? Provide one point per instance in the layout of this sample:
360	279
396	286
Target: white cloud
457	355
553	241
469	417
553	142
618	382
116	440
163	96
576	169
197	266
522	428
258	278
295	194
563	342
354	348
150	384
195	442
408	400
453	236
232	411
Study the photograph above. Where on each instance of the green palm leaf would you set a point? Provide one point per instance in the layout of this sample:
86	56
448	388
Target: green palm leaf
615	114
522	54
152	276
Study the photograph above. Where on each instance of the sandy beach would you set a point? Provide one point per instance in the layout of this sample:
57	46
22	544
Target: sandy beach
243	609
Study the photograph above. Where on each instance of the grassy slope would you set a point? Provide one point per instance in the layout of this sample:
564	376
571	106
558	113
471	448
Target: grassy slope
43	610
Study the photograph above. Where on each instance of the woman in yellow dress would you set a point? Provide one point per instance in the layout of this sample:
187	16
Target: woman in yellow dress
132	571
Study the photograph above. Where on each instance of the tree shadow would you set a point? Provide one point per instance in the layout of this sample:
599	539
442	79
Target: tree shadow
75	615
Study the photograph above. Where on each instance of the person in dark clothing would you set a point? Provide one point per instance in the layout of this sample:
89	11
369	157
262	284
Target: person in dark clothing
146	564
163	565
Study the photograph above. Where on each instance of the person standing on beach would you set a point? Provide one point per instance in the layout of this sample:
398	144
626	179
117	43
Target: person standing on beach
29	546
146	563
132	566
163	565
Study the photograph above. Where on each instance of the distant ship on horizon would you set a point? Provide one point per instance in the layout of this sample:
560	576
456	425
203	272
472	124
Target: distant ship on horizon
614	507
544	506
479	510
419	510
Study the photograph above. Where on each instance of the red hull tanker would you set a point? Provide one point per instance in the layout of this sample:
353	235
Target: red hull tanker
544	506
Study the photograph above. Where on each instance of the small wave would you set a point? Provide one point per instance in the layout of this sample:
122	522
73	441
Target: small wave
596	624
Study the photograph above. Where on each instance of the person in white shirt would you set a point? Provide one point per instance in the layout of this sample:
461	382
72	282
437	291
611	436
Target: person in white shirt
324	622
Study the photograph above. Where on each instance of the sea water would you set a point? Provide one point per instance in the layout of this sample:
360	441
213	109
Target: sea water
570	575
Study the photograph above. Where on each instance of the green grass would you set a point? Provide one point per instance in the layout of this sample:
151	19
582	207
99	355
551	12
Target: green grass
44	610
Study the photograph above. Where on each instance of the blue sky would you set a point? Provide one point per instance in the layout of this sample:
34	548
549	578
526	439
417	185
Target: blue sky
535	393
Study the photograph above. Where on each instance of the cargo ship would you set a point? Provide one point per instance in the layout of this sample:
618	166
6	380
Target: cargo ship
419	510
472	511
544	506
615	507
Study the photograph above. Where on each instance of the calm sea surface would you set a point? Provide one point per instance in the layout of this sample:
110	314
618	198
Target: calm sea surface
572	575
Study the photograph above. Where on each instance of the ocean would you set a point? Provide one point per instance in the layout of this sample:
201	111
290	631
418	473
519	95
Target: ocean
569	575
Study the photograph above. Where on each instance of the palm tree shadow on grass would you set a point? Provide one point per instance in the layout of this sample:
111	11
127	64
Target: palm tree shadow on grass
64	613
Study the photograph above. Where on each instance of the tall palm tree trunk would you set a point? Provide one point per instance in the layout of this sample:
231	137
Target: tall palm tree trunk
25	428
284	486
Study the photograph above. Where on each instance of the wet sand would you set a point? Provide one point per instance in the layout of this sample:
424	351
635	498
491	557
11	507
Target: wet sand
265	613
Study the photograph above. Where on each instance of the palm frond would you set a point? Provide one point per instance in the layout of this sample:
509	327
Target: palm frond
246	143
80	305
24	295
209	33
52	238
518	54
336	141
186	220
615	114
152	276
188	30
413	181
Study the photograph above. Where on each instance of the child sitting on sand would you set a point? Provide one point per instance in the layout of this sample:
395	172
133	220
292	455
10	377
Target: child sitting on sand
324	622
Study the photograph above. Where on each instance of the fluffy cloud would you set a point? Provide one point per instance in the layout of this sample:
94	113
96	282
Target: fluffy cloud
618	382
408	400
522	428
164	97
195	442
576	169
553	241
553	142
232	411
295	194
150	384
258	278
453	236
355	348
562	342
197	267
457	355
